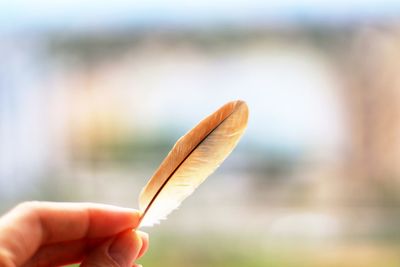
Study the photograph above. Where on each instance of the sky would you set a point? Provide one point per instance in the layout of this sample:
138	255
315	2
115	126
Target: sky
75	15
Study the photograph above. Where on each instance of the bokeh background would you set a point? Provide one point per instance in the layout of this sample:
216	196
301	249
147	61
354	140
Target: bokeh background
93	94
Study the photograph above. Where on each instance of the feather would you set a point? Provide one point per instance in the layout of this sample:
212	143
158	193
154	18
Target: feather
193	158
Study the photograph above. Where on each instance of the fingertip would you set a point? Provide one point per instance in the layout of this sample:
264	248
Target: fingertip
145	242
126	248
110	220
135	217
133	214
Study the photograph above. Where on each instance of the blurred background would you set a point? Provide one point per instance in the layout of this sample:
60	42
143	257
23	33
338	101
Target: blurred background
93	94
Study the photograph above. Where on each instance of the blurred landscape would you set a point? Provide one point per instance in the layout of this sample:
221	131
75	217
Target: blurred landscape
92	101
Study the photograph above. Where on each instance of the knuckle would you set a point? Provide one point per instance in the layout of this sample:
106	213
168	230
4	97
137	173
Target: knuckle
27	206
27	209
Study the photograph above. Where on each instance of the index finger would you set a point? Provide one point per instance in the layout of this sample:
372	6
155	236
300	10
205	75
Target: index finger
28	226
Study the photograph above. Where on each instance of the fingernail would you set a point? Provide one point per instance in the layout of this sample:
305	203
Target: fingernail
125	248
143	235
145	243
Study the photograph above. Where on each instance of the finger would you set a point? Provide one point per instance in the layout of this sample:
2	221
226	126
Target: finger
121	251
63	253
145	243
73	251
71	221
24	229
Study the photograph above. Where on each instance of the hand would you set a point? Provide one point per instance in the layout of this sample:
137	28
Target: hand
53	234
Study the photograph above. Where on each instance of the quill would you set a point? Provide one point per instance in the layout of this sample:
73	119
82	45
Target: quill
192	159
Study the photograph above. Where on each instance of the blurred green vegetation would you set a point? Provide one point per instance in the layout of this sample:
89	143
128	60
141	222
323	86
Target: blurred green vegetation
136	149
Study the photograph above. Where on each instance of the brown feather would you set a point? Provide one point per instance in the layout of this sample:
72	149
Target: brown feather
192	159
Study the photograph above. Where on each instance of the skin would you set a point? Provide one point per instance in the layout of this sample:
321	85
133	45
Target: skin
53	234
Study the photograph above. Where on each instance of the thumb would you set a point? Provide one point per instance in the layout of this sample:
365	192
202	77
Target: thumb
120	251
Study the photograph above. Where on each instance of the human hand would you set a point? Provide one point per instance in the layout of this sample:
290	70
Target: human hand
53	234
